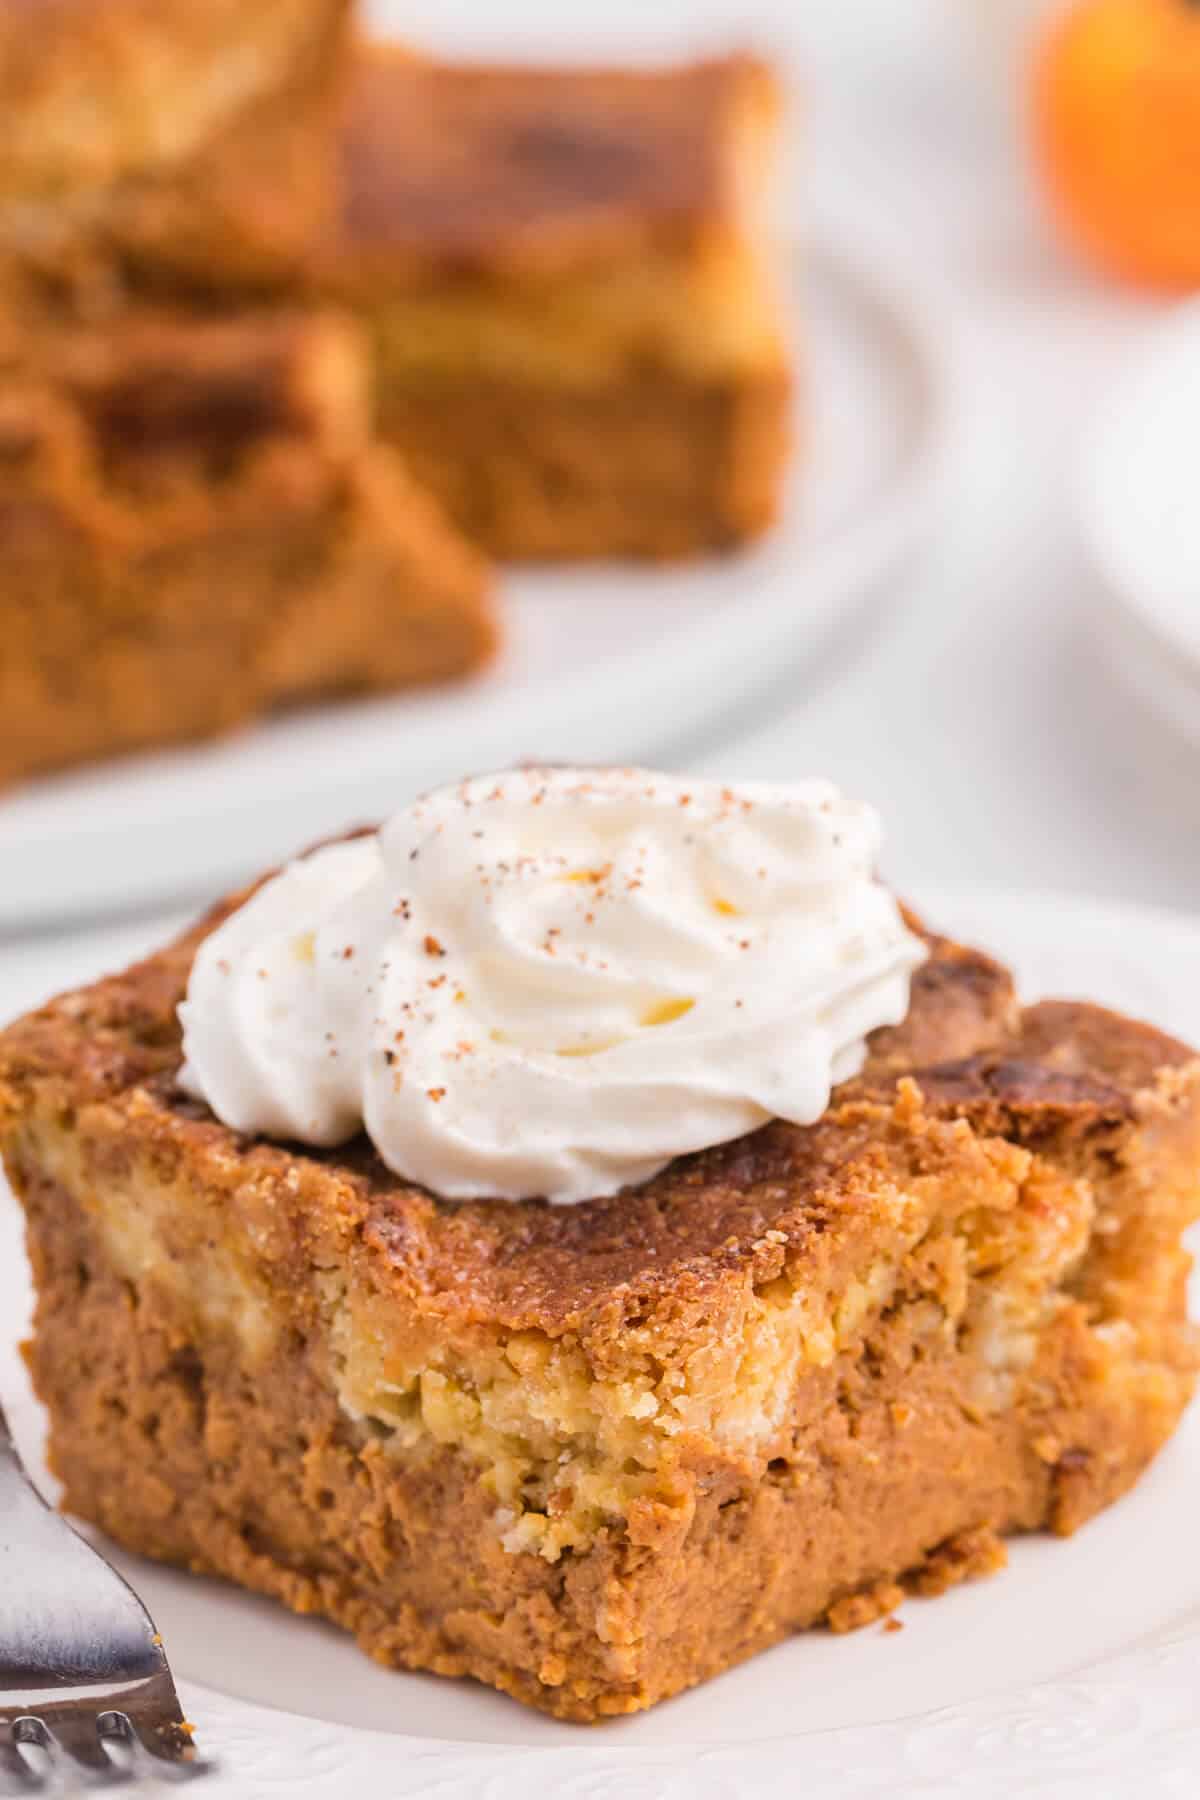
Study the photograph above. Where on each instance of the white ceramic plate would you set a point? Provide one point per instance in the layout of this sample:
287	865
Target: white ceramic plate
1139	511
1073	1676
606	664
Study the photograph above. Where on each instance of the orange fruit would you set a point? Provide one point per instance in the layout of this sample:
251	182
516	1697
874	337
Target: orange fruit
1116	120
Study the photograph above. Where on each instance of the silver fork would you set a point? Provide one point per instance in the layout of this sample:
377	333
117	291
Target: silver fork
86	1696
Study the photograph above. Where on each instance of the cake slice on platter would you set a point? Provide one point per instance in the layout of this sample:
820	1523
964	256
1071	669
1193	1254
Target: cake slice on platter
571	288
198	528
724	1253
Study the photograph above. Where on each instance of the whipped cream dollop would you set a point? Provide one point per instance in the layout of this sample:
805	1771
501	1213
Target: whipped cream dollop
550	982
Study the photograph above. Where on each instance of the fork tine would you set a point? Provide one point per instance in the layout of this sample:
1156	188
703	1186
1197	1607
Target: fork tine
77	1640
155	1747
70	1737
152	1714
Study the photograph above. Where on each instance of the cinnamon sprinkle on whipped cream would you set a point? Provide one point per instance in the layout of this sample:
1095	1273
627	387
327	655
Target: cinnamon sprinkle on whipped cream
551	982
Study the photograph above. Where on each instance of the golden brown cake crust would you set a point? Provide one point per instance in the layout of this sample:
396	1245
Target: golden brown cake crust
454	169
237	219
754	1203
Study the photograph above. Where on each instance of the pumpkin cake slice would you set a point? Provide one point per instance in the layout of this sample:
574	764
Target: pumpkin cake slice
593	1454
198	529
568	280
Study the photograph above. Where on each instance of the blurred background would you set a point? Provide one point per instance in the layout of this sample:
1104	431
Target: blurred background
1020	696
981	710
